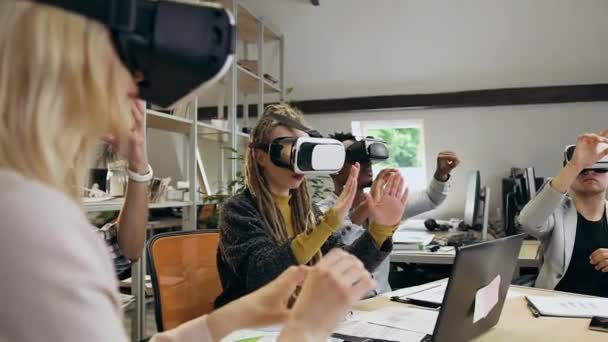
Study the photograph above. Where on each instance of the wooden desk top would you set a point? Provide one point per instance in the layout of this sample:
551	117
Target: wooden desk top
518	324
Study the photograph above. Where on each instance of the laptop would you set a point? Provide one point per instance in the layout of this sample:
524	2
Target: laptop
480	270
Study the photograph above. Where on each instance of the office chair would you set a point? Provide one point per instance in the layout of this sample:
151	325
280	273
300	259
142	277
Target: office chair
184	276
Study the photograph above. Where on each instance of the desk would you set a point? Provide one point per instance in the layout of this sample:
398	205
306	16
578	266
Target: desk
517	323
527	256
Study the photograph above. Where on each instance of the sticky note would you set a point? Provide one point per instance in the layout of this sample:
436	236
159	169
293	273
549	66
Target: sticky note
486	299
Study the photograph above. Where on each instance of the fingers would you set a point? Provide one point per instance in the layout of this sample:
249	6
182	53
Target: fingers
405	196
598	255
138	113
346	263
332	258
371	201
399	189
362	287
391	186
600	266
292	277
110	139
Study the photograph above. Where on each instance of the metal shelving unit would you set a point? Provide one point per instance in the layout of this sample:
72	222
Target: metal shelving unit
252	32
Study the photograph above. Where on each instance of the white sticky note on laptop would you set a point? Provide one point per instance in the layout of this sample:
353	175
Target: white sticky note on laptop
486	299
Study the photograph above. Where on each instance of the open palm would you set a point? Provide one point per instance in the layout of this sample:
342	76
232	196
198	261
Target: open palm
386	208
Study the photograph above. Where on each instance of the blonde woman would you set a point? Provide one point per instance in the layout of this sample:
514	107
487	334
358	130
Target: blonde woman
61	88
273	224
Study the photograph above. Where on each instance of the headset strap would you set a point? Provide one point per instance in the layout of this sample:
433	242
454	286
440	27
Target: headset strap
291	123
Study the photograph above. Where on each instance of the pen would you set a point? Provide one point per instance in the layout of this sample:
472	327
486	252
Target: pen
532	309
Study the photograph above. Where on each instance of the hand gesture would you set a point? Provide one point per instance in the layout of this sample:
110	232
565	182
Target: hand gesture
599	259
589	149
387	207
332	286
446	162
345	201
264	307
136	155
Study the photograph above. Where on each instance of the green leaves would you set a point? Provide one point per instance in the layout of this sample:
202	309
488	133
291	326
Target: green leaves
404	145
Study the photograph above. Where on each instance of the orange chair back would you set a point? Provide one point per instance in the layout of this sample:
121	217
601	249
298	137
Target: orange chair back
184	276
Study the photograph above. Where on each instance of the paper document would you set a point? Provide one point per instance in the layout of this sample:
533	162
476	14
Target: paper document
569	306
433	293
412	224
486	299
369	330
411	290
405	318
422	238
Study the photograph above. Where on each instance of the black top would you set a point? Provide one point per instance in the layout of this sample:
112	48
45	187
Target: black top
248	257
581	276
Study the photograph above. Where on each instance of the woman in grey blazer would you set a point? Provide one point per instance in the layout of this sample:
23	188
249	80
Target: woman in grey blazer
568	216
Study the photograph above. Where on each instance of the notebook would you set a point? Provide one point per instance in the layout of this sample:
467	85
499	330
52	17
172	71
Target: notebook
568	306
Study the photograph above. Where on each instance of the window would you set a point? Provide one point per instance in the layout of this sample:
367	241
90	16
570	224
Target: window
405	141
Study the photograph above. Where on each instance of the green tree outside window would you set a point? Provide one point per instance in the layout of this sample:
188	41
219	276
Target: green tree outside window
404	146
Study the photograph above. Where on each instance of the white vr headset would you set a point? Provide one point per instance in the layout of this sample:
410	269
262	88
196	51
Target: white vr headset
304	155
602	164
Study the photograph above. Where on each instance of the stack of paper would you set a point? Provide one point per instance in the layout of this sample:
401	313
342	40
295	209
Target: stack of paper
569	306
433	293
411	240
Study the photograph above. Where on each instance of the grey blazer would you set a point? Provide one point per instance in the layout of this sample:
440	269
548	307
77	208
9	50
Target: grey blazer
552	218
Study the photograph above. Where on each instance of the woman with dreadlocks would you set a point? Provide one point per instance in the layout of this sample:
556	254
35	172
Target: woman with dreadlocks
273	224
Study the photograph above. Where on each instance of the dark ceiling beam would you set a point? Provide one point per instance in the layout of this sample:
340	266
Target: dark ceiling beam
469	98
314	2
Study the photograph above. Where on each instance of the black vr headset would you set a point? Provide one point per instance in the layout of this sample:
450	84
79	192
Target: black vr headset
178	48
600	166
304	155
367	150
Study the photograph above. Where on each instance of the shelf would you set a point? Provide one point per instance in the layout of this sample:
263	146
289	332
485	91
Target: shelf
247	24
210	132
167	122
116	204
165	223
248	82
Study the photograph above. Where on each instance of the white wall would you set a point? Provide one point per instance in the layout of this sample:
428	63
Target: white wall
491	139
361	47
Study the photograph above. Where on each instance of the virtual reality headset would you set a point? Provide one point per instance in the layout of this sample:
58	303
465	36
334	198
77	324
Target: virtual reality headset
304	155
367	150
601	165
179	49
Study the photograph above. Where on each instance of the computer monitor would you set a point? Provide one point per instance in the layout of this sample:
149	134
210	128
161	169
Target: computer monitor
477	205
530	183
471	204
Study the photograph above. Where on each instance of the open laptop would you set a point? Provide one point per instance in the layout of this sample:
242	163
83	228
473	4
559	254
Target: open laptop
484	271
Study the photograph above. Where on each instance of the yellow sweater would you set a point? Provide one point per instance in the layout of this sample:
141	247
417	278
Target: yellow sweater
305	245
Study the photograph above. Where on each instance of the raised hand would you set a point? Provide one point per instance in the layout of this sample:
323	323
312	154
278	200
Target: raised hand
589	149
332	286
264	307
387	207
446	162
345	201
135	149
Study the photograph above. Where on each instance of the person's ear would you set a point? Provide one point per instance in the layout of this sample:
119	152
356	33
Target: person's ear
262	158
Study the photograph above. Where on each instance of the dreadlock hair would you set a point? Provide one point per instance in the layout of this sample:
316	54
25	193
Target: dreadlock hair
303	217
342	136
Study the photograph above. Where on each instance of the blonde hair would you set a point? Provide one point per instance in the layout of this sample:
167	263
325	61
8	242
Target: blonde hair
59	92
303	217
